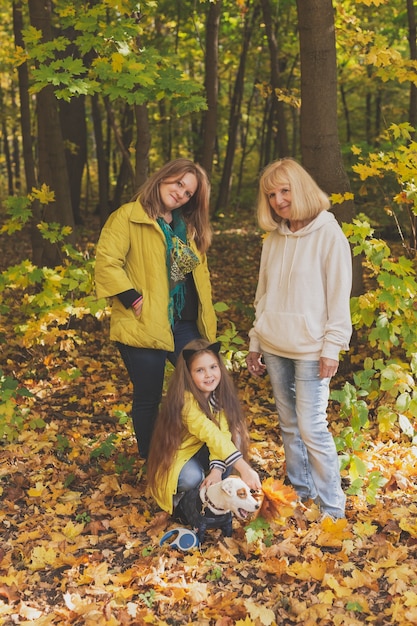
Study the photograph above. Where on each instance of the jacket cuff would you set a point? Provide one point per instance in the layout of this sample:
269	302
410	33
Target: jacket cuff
331	351
127	298
217	464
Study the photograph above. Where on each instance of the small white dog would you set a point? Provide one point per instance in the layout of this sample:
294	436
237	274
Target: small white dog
230	494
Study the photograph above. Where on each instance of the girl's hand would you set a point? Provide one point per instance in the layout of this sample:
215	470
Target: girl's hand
248	475
251	478
212	478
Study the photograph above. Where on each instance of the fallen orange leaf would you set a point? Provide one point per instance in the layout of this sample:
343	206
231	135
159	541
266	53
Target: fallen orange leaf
278	500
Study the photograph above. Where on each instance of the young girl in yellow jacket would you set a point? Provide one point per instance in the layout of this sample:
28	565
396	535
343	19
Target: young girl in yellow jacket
151	262
200	434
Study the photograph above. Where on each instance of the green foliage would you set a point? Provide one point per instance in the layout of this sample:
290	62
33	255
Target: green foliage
19	210
389	174
124	464
148	598
385	390
63	443
12	414
48	304
233	355
111	54
259	530
215	574
385	316
106	448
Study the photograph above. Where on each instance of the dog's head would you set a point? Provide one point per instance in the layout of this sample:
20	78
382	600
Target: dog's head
230	494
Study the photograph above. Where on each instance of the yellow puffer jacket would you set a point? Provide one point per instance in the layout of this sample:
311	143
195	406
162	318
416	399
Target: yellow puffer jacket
131	254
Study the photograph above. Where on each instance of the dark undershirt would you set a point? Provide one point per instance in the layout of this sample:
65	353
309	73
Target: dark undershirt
190	310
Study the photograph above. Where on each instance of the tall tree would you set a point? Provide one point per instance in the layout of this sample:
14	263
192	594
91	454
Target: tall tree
412	34
52	169
211	80
320	147
277	113
37	242
235	110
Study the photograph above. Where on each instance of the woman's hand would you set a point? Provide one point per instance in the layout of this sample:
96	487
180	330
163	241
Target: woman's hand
254	363
137	306
328	367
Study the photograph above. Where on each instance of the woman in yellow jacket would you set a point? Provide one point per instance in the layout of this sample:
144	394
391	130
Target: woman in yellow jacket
151	261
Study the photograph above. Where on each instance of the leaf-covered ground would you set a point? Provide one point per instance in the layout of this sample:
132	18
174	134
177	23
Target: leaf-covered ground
79	540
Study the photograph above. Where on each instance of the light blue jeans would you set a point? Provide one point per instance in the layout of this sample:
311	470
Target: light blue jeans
301	397
193	472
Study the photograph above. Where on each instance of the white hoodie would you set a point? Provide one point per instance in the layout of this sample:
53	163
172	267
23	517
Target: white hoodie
302	299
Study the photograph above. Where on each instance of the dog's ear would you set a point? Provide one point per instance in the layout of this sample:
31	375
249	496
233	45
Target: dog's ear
227	486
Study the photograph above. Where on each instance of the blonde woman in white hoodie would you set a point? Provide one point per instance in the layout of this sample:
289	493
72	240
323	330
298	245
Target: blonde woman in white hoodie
302	322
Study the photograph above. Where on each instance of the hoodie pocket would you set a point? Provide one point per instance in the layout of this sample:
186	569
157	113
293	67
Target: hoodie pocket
287	333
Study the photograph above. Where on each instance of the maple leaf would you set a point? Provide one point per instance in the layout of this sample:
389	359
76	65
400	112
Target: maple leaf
333	532
264	615
278	500
42	557
9	592
245	622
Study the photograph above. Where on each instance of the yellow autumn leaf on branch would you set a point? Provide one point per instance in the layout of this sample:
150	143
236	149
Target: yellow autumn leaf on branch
44	195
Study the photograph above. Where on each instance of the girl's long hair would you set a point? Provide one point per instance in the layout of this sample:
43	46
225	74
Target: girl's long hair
169	430
196	211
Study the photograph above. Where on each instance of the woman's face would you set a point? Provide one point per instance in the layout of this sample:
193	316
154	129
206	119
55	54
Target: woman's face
175	192
205	372
280	201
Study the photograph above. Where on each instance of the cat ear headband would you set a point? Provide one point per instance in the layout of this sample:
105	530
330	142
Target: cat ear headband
213	347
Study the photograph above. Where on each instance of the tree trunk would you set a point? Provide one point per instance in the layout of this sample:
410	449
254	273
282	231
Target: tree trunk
36	239
6	148
320	147
277	119
126	176
235	109
412	34
52	169
74	131
143	143
211	85
102	161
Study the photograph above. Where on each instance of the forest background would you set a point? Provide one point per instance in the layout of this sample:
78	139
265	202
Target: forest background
94	96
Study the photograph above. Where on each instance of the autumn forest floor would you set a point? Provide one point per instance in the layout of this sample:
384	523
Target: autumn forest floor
79	541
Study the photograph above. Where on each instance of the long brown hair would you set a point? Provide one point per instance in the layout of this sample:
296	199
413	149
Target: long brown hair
196	211
168	431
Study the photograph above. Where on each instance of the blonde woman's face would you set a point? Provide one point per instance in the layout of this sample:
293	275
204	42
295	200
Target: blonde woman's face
280	200
176	192
205	372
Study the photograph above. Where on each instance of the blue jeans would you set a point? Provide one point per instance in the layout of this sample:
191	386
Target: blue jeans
194	470
146	369
301	397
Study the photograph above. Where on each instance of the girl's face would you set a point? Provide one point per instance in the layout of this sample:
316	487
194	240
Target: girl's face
280	201
205	372
175	192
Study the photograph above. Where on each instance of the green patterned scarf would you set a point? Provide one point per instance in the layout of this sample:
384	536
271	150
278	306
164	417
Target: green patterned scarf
180	260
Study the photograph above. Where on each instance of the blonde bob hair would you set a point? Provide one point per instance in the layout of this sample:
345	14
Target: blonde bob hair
307	199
